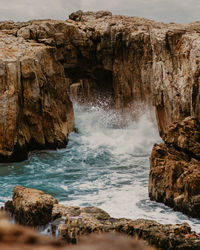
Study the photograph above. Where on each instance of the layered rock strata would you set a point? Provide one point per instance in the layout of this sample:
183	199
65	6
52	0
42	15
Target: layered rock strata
73	222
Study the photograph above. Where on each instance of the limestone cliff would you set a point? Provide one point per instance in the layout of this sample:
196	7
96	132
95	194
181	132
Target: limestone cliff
132	59
35	110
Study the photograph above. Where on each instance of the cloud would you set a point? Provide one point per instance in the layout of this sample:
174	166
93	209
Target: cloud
22	10
182	11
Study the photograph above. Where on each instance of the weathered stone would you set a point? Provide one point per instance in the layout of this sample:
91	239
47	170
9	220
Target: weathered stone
185	135
134	59
72	223
80	221
163	236
22	238
84	221
31	207
35	109
110	241
175	179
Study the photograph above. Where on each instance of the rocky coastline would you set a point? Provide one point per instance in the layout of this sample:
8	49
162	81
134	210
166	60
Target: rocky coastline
133	60
31	206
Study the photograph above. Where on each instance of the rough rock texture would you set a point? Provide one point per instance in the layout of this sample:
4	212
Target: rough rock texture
110	241
175	168
132	59
75	221
15	237
185	136
72	222
20	238
31	207
35	110
175	179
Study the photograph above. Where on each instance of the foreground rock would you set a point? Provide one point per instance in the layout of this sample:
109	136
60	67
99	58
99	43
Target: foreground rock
31	207
111	242
175	168
20	238
73	222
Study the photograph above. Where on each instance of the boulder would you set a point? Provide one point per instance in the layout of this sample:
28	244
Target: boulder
31	207
76	221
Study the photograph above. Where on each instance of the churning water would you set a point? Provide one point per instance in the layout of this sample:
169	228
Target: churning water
105	164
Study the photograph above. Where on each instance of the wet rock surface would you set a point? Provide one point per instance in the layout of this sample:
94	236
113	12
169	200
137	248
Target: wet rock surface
84	221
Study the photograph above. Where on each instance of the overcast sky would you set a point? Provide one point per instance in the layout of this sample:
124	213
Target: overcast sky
181	11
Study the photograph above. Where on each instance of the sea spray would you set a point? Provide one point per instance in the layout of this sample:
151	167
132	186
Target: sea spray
105	164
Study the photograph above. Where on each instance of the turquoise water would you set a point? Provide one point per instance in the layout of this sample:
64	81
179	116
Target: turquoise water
104	165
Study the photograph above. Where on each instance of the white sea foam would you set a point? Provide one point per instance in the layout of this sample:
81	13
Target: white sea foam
100	128
121	186
105	164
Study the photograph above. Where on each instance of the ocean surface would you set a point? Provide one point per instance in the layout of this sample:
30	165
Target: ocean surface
105	164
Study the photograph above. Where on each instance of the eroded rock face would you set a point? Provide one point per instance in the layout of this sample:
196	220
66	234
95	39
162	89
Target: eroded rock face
31	207
185	136
175	179
35	110
175	168
132	58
